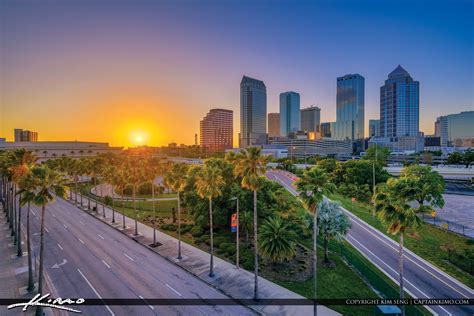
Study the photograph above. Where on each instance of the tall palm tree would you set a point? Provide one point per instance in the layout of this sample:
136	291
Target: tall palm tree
277	240
245	222
26	162
154	167
135	176
250	165
208	186
392	204
176	180
312	187
46	183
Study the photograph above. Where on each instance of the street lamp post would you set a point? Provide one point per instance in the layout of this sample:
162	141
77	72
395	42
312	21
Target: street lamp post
237	236
373	178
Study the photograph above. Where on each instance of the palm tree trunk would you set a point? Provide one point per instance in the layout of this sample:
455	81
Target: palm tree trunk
400	271
154	211
179	226
326	255
70	192
18	230
136	213
113	206
40	275
315	260
123	211
31	282
255	292
75	193
95	186
211	268
14	213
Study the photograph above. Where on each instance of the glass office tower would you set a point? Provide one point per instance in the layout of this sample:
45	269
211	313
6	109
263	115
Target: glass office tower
253	112
399	105
289	112
349	108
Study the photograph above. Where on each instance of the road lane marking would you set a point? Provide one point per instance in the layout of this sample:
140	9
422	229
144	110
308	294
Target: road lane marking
60	247
129	257
391	277
145	301
47	230
80	240
100	236
65	226
33	212
53	215
173	289
106	264
95	291
81	222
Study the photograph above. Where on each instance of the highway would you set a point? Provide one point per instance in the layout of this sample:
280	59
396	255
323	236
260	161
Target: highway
87	258
422	280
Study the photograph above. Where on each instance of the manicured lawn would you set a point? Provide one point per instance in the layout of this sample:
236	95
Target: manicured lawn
429	242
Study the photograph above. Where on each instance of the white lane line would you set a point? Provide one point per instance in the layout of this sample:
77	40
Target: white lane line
47	230
95	291
145	301
129	257
173	289
60	247
65	226
106	264
408	258
80	240
396	273
33	212
81	222
100	236
53	215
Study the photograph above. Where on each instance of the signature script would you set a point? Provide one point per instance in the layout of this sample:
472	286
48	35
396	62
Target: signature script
44	301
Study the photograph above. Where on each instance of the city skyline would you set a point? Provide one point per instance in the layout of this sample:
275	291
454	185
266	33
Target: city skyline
112	85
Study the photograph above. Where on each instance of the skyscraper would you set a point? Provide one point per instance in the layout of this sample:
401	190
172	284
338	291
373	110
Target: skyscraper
273	124
216	132
253	112
349	108
289	112
310	119
399	105
453	129
374	128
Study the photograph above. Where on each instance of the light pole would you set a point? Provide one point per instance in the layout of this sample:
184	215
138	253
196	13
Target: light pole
373	178
237	236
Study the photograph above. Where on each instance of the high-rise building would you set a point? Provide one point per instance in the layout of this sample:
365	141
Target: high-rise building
374	128
349	108
399	105
273	124
216	130
325	129
399	113
310	119
253	112
25	135
453	129
289	112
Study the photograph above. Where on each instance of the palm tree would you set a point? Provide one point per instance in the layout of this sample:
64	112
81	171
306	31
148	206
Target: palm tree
27	187
208	186
176	180
312	186
46	183
277	240
392	204
134	174
20	170
154	168
250	165
332	224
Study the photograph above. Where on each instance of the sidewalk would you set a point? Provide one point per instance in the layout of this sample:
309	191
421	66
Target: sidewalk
14	271
235	283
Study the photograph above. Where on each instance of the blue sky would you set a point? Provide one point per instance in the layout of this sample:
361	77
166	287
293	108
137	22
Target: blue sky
171	61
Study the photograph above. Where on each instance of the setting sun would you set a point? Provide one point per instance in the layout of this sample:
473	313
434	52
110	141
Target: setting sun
139	139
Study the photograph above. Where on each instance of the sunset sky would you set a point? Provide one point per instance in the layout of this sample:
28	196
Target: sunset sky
115	70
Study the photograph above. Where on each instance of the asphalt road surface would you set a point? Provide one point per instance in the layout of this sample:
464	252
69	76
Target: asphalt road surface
422	280
86	258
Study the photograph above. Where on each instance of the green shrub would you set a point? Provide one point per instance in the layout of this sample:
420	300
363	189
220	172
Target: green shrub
169	227
185	228
196	231
108	200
